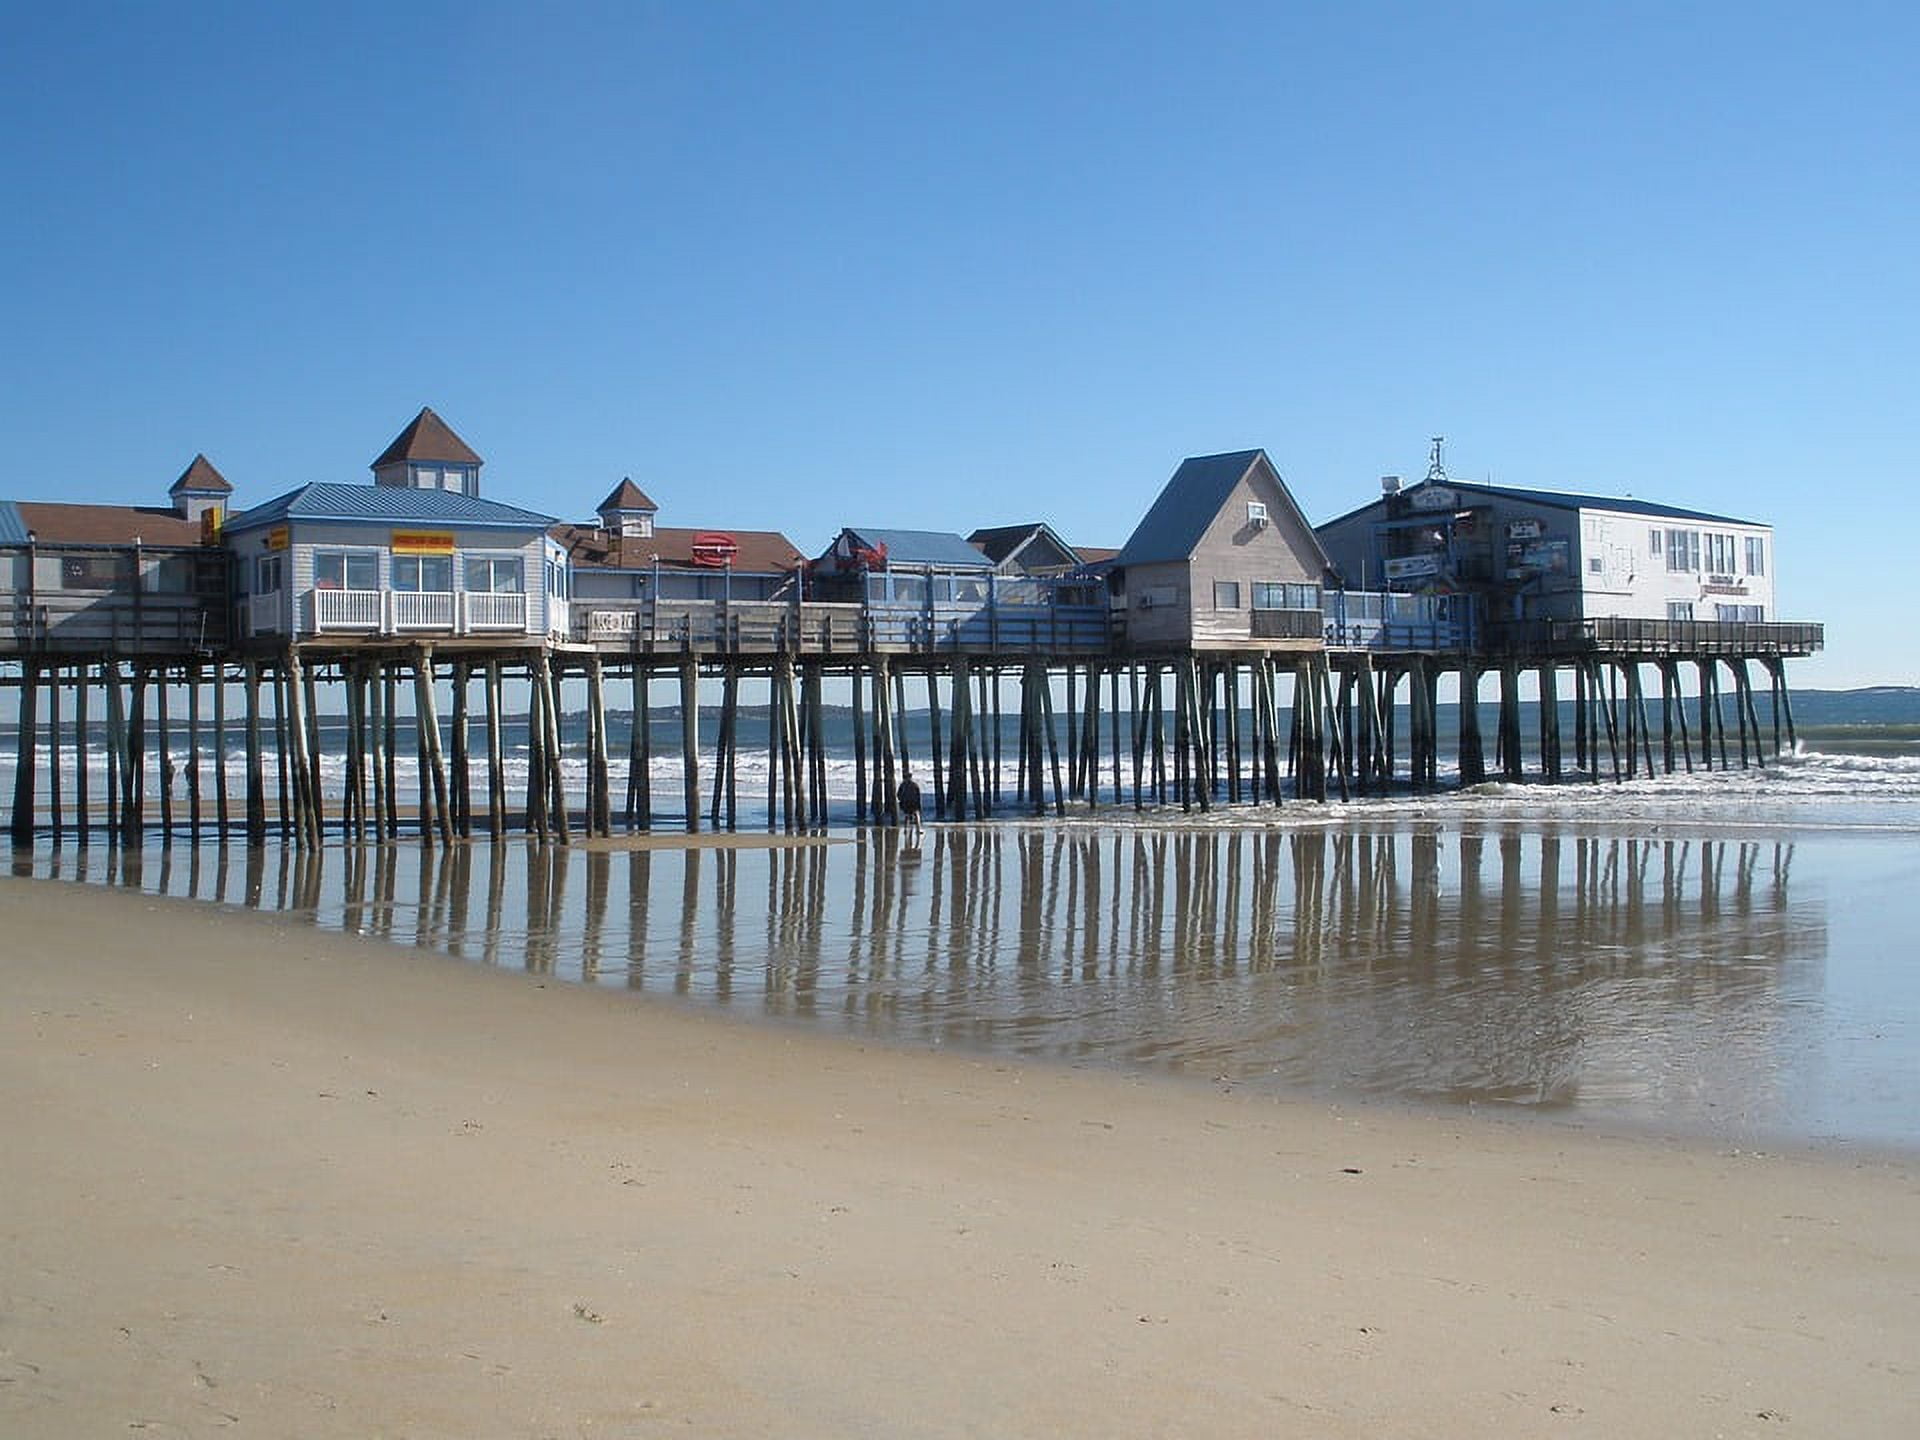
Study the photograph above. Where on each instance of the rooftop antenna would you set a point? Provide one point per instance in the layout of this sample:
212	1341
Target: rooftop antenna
1435	470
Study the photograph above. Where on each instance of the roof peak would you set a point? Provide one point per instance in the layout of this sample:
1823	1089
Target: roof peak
200	475
626	496
427	437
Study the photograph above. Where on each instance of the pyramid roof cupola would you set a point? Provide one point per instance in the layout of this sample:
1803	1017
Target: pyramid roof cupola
427	455
628	511
199	489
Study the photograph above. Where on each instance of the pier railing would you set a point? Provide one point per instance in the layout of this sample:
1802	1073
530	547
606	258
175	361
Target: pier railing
1383	620
737	627
1683	639
77	623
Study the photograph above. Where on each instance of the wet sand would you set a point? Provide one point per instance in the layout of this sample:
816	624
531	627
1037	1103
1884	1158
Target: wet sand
292	1183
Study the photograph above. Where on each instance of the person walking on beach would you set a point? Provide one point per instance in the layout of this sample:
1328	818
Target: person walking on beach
909	798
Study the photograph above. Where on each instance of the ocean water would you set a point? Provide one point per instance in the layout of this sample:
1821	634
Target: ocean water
1717	953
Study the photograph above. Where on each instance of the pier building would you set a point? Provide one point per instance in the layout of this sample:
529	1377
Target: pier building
1228	646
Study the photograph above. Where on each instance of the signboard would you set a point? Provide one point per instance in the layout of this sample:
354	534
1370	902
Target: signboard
1432	497
1409	567
1523	529
1722	585
210	520
1548	556
277	537
714	548
421	542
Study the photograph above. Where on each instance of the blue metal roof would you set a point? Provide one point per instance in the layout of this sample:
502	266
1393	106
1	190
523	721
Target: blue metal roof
939	548
13	530
388	504
1193	497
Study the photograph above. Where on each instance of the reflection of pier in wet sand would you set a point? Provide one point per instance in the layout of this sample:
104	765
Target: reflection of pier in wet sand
1530	964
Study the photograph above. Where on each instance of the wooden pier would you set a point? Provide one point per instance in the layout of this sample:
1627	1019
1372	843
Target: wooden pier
1021	730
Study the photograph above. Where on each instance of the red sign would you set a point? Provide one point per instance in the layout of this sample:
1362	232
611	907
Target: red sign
714	548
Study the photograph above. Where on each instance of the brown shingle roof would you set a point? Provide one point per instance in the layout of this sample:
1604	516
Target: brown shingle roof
761	551
53	523
201	475
427	437
626	496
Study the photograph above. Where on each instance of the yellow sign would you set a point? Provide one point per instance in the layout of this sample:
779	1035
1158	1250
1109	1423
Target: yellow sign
277	537
421	542
210	519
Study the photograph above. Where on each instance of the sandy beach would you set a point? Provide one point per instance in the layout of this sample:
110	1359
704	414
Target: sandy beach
267	1180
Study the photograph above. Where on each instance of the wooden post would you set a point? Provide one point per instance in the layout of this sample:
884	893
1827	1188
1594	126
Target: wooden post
82	785
193	680
433	784
461	776
496	754
859	746
116	742
599	781
25	756
256	777
690	740
1549	720
553	780
133	805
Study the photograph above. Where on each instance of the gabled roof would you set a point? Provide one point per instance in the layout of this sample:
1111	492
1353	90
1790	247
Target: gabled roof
201	475
1557	500
626	496
1001	543
427	437
1172	528
389	505
940	549
55	523
761	552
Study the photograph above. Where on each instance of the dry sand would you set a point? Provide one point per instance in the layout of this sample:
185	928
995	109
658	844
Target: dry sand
271	1181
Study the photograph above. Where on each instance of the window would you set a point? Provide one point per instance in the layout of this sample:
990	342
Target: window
1679	610
1226	594
556	578
96	572
423	572
1740	612
1719	554
1268	596
1656	543
1256	513
457	478
173	575
267	571
1756	555
1596	565
494	574
346	570
1683	550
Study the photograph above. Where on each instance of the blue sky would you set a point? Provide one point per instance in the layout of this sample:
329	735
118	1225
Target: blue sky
942	266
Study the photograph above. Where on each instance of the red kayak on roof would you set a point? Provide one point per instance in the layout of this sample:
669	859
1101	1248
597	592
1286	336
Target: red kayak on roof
715	548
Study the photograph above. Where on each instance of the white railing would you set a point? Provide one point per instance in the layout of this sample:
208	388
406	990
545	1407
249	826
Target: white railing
422	609
346	610
491	610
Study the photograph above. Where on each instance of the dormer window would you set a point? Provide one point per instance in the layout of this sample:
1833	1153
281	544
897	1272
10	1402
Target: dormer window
435	475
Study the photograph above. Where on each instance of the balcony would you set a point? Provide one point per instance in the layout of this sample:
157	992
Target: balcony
408	612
